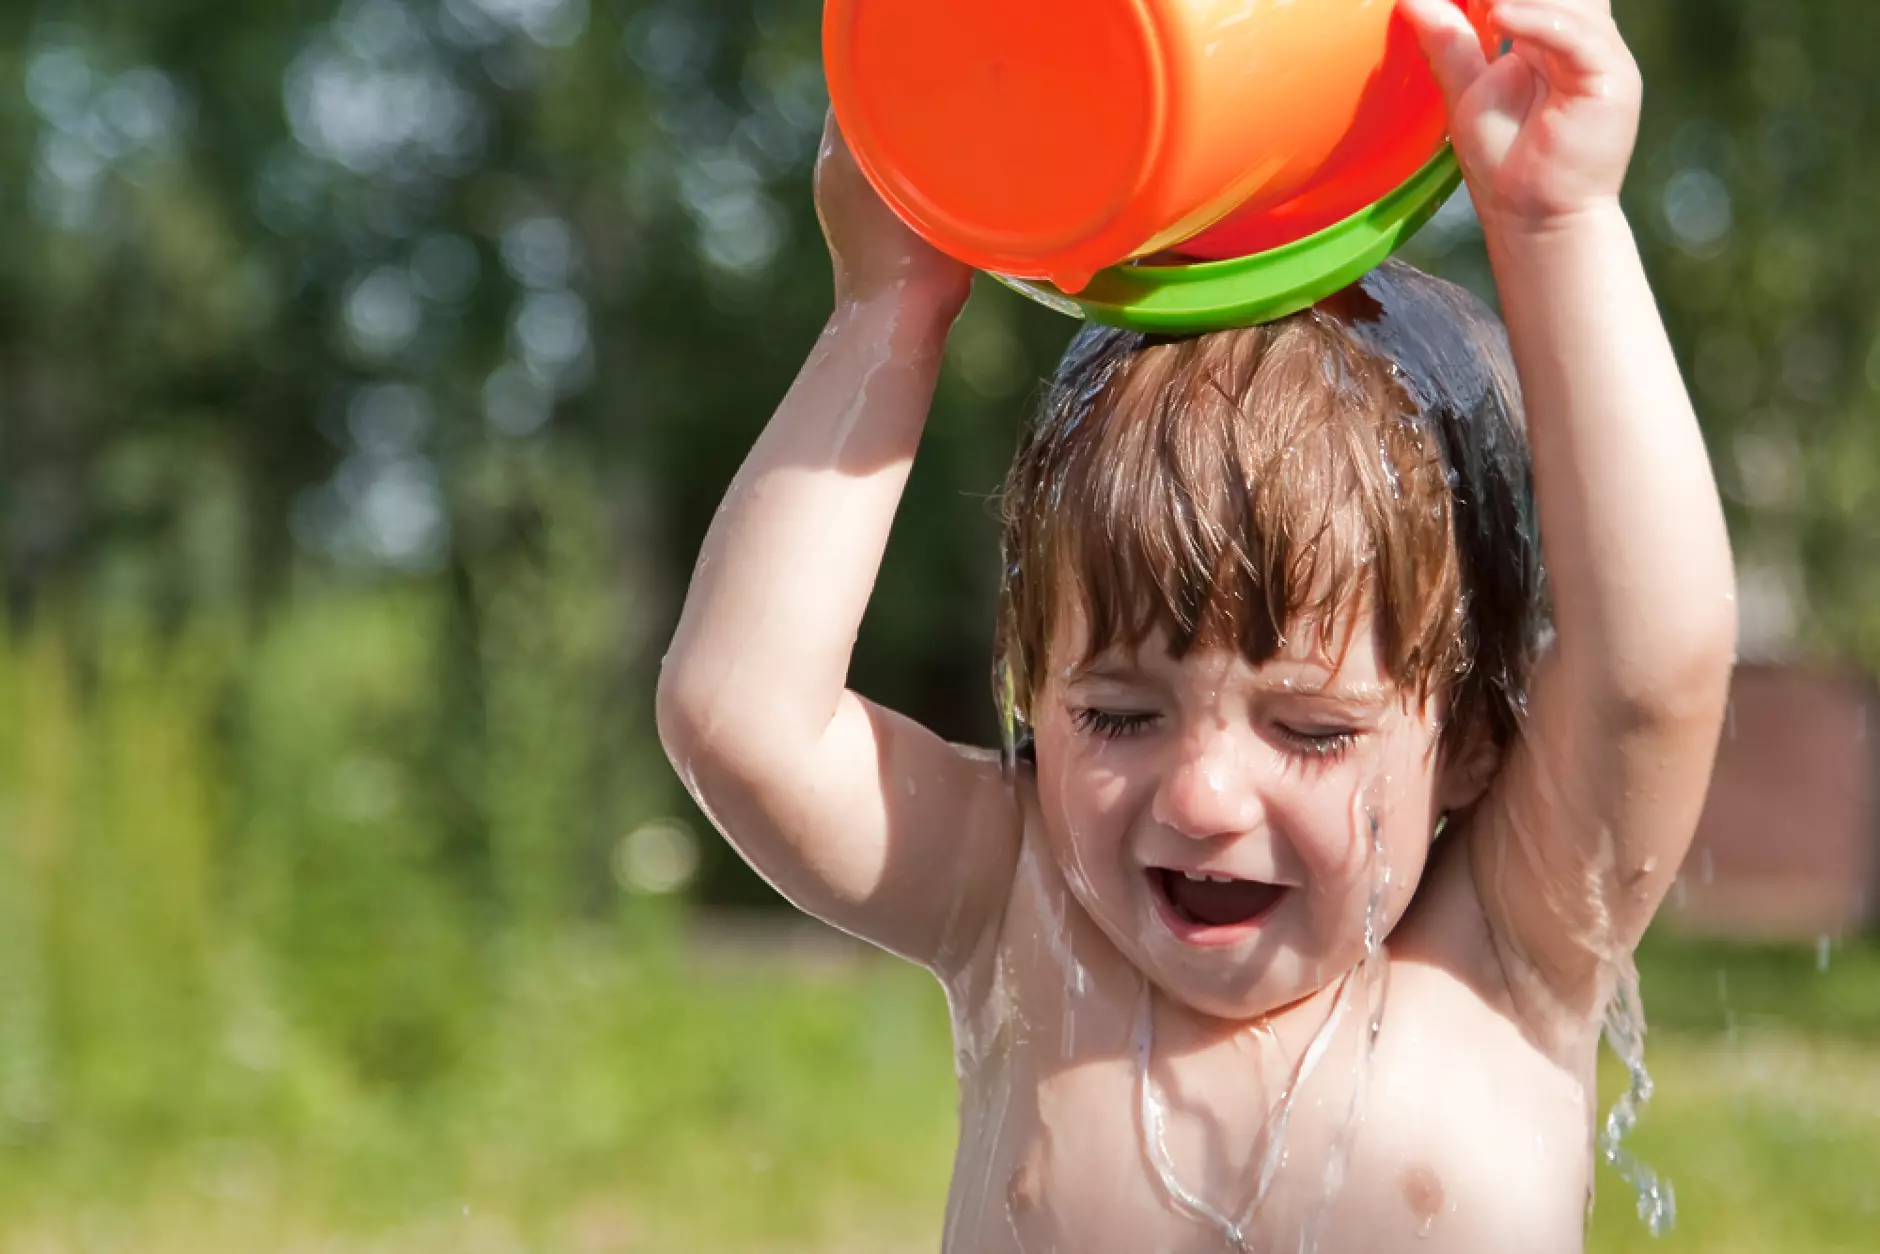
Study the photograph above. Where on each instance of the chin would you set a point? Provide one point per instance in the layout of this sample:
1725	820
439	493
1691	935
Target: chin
1238	992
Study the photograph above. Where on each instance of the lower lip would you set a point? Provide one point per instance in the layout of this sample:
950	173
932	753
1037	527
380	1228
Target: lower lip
1203	935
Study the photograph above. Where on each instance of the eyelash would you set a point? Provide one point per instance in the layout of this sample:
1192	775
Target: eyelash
1110	726
1323	747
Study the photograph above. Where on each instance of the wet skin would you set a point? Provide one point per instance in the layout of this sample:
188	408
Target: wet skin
1043	900
1470	1139
1458	1133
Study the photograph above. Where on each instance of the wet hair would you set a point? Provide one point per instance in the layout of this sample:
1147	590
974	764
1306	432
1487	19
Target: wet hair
1368	454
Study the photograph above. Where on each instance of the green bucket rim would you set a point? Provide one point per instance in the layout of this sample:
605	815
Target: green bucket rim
1245	291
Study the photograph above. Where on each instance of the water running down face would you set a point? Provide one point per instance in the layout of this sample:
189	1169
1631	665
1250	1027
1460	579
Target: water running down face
1202	807
1245	574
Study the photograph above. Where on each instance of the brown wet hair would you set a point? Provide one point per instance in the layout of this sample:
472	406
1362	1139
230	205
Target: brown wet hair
1367	455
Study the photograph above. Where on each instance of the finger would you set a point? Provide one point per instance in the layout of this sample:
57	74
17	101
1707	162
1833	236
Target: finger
832	161
1450	44
832	139
1580	40
835	162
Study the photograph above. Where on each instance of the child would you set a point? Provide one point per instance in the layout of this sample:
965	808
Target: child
1295	926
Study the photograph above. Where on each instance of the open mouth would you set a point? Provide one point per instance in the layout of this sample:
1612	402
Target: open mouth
1198	903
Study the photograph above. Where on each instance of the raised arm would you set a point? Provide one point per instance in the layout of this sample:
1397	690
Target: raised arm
855	814
1584	831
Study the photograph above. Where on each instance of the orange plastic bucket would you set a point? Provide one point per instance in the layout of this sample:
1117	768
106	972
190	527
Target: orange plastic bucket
1052	139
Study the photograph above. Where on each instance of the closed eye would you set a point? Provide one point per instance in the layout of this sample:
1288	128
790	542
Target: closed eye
1323	745
1111	724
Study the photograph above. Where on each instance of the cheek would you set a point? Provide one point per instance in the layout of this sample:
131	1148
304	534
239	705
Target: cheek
1329	821
1088	787
1406	808
1320	824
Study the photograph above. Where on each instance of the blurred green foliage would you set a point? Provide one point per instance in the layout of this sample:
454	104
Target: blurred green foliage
419	293
369	373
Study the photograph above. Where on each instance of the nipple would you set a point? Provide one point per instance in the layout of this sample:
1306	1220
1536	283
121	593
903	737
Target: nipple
1423	1194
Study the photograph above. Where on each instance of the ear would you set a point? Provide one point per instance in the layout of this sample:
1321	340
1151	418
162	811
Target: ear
1464	772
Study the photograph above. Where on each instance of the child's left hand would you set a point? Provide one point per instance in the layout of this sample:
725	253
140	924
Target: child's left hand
1544	131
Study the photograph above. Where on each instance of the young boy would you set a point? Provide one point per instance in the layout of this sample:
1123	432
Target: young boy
1295	926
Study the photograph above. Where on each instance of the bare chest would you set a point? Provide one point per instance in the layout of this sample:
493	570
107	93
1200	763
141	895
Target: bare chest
1084	1129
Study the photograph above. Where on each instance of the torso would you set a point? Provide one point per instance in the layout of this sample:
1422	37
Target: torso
1466	1137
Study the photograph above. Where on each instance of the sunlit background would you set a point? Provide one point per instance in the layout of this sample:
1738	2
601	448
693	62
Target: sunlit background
368	374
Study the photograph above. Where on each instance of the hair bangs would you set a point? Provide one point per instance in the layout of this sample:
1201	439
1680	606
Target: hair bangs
1197	525
1227	492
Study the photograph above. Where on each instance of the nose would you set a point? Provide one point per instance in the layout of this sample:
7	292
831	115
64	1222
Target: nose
1208	789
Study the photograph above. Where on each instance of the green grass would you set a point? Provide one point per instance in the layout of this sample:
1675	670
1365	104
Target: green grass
1767	1114
608	1105
303	949
1769	1139
667	1101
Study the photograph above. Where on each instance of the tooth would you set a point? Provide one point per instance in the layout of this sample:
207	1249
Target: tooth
1192	878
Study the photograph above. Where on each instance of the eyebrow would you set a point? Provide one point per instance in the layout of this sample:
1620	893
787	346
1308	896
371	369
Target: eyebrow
1304	686
1357	694
1100	668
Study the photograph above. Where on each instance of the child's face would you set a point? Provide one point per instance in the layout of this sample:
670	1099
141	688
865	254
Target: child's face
1152	770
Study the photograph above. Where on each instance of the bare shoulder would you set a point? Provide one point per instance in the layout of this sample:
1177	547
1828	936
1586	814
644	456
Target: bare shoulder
1042	950
1008	811
1447	951
994	803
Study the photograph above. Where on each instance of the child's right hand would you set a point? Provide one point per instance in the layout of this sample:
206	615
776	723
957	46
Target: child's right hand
1544	132
872	249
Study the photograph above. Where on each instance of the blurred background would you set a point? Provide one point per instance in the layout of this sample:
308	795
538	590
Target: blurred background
369	371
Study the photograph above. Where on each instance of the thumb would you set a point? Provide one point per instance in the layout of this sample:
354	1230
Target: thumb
832	153
1450	44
